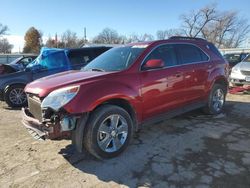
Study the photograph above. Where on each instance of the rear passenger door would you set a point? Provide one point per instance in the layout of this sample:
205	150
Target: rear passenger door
195	64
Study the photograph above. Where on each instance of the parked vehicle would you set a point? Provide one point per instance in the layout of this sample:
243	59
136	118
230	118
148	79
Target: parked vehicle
8	58
104	103
14	77
240	74
16	65
234	58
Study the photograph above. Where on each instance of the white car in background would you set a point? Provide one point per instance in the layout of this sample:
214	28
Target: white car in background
240	74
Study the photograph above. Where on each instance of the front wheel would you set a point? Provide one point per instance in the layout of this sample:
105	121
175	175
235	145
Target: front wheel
216	100
15	96
108	131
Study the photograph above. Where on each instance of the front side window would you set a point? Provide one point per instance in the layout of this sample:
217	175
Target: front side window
190	54
166	53
116	59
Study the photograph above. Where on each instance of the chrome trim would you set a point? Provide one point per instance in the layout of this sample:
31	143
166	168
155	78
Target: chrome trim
140	69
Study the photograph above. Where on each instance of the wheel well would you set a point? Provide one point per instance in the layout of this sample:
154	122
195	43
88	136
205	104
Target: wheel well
126	106
9	85
222	82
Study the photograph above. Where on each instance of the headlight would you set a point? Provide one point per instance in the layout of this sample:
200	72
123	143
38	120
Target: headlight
235	70
58	98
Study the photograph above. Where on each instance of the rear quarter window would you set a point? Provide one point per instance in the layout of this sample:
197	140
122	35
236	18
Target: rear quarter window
215	50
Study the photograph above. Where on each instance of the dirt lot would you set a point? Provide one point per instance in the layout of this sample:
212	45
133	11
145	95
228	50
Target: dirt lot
191	150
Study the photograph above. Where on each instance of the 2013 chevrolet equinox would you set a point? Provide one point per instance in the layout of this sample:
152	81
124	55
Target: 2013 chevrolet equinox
104	103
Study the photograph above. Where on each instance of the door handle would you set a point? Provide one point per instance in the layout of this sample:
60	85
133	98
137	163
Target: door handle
178	74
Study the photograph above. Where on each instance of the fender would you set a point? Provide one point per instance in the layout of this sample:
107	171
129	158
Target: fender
216	74
98	94
14	78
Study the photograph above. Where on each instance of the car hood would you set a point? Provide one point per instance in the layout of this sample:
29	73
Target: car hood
42	87
243	66
9	68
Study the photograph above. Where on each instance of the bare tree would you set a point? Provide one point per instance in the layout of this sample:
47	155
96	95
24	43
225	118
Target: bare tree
165	34
5	46
68	39
195	21
3	29
139	38
108	36
224	29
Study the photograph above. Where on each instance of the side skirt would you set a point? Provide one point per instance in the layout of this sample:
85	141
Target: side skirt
173	113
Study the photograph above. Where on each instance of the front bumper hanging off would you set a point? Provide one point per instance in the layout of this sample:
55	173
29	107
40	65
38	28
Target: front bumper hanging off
42	131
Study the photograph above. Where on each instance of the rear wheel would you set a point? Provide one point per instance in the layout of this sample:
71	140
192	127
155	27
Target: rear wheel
15	96
216	99
108	131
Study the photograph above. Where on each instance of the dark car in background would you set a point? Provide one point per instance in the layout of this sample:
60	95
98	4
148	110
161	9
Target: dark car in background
234	58
13	78
16	65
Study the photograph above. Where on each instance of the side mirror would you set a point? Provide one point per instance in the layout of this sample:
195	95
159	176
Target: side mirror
153	64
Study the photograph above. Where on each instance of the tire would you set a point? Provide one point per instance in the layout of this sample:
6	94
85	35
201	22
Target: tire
100	139
15	96
216	99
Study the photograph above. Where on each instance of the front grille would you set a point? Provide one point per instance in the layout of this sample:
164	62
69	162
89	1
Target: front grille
35	107
247	73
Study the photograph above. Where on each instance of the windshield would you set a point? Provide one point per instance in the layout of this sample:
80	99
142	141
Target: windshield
116	59
232	57
247	59
16	60
50	59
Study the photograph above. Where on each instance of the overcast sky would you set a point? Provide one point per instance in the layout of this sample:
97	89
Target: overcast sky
125	16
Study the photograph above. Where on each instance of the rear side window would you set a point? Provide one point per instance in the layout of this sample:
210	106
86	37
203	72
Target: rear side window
190	54
80	57
214	50
166	53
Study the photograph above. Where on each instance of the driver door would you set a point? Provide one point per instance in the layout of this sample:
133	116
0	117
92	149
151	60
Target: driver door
162	89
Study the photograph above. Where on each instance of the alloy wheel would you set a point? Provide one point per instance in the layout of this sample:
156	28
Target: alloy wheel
218	99
112	133
17	96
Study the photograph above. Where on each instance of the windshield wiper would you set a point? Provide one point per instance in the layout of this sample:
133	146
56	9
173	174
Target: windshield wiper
96	69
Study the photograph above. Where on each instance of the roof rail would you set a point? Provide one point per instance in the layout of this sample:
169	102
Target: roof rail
186	38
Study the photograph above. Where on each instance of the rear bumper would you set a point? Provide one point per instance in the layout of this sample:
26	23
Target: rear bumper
42	131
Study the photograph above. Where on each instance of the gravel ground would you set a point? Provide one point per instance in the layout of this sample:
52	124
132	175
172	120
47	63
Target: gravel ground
192	150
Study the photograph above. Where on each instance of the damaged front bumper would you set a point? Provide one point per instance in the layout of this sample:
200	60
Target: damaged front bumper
42	131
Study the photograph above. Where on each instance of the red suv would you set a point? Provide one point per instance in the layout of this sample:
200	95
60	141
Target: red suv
102	105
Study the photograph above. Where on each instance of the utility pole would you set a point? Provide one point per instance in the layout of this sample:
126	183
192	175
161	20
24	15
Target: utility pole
85	35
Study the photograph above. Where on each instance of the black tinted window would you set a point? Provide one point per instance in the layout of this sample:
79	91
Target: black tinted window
82	57
99	51
190	54
166	53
